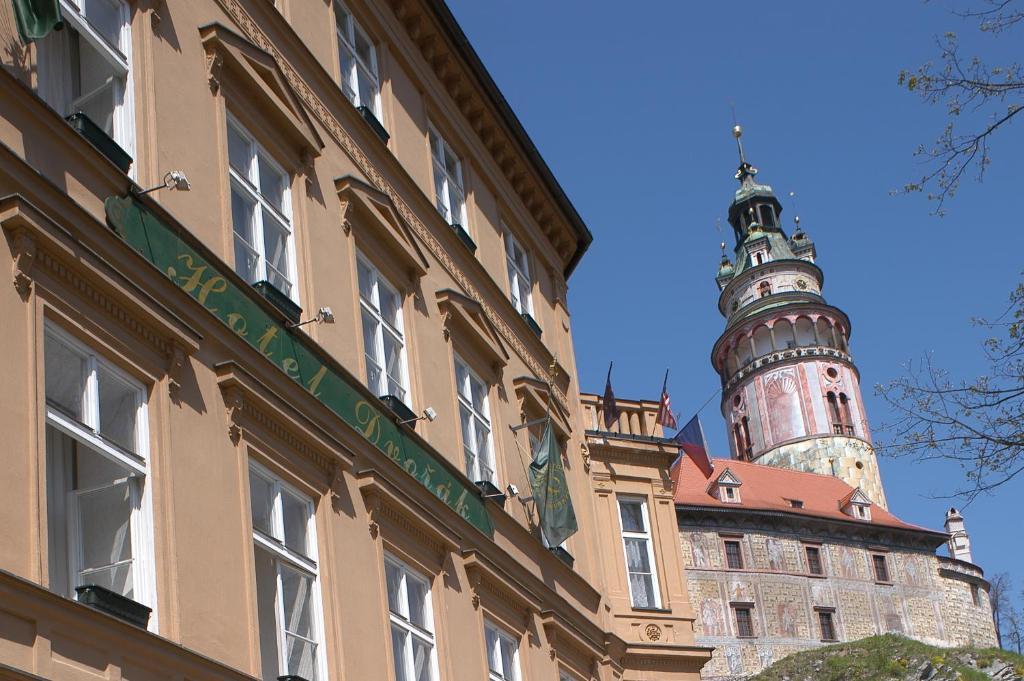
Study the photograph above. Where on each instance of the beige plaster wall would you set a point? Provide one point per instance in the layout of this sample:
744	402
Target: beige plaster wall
920	602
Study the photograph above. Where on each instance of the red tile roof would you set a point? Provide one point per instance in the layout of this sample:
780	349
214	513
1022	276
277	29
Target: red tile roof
766	488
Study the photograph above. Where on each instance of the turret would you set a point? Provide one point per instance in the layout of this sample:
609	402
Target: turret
959	543
790	389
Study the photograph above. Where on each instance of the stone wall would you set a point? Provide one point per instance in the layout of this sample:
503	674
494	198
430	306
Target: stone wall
929	597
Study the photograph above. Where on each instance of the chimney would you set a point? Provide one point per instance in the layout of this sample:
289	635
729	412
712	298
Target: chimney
959	543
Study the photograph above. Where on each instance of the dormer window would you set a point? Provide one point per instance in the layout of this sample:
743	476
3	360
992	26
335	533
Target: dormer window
857	505
727	488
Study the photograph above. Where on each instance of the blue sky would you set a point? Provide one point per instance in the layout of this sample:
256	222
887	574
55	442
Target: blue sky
630	106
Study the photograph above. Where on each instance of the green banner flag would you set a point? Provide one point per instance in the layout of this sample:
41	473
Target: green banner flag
550	491
36	18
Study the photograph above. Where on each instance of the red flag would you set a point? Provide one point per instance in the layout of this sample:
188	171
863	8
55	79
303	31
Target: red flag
665	418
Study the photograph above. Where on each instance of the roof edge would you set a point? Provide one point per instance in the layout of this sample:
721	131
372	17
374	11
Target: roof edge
466	51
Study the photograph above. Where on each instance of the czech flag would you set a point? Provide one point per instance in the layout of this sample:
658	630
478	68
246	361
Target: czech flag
691	440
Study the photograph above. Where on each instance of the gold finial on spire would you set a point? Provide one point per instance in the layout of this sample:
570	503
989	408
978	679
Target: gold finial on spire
737	132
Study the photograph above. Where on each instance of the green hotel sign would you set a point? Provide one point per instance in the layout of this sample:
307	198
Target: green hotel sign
236	307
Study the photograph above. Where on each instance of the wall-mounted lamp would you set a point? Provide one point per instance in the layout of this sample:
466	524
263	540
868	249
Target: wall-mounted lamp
429	414
323	316
175	179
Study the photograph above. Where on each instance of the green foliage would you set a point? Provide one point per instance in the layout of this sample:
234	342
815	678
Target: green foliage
888	657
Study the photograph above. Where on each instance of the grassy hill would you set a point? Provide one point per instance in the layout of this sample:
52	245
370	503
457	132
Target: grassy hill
895	657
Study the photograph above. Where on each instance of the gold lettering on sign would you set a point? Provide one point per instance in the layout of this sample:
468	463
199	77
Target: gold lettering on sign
189	282
265	339
314	382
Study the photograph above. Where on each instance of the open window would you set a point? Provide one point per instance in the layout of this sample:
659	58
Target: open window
413	645
384	343
639	549
357	58
475	419
502	654
99	519
261	214
287	583
449	190
86	68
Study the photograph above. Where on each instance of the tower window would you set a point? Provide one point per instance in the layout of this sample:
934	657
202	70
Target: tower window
881	566
844	404
748	448
767	215
828	629
833	410
744	622
814	560
975	595
733	554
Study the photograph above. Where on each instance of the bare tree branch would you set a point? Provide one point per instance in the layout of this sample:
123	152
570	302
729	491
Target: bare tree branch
977	424
980	99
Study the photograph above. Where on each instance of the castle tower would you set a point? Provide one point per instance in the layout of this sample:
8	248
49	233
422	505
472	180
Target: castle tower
790	390
959	543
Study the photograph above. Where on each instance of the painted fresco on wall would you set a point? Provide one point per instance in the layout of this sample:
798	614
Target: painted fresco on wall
786	619
698	550
776	556
784	414
712	618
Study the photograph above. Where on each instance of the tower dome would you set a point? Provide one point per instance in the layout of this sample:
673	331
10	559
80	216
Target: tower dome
790	389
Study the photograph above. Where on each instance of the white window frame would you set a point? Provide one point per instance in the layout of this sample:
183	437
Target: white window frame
372	308
648	540
54	75
492	631
346	41
275	545
443	202
402	621
135	463
465	399
249	186
518	278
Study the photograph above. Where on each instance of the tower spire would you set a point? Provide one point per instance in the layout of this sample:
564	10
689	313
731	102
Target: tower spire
745	171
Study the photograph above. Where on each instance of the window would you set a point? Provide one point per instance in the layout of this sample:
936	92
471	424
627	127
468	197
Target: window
412	623
814	560
383	334
975	595
636	541
287	588
86	67
767	215
744	621
828	629
98	514
844	404
474	413
733	554
881	568
502	654
729	495
449	195
519	282
358	60
796	503
260	214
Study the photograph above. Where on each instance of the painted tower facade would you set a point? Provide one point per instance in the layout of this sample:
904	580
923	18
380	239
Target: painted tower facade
790	390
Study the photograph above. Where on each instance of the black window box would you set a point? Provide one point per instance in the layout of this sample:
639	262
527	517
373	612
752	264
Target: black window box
292	677
562	555
489	492
85	127
464	237
399	409
532	323
278	299
374	123
114	604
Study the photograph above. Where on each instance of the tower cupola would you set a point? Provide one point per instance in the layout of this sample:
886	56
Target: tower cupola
790	389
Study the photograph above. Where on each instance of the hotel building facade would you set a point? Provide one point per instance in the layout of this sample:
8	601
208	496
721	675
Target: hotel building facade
262	428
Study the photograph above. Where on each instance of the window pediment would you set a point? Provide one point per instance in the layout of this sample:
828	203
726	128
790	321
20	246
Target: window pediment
228	55
380	220
534	399
465	315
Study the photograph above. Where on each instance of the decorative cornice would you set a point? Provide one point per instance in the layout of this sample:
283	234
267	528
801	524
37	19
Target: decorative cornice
334	128
784	356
